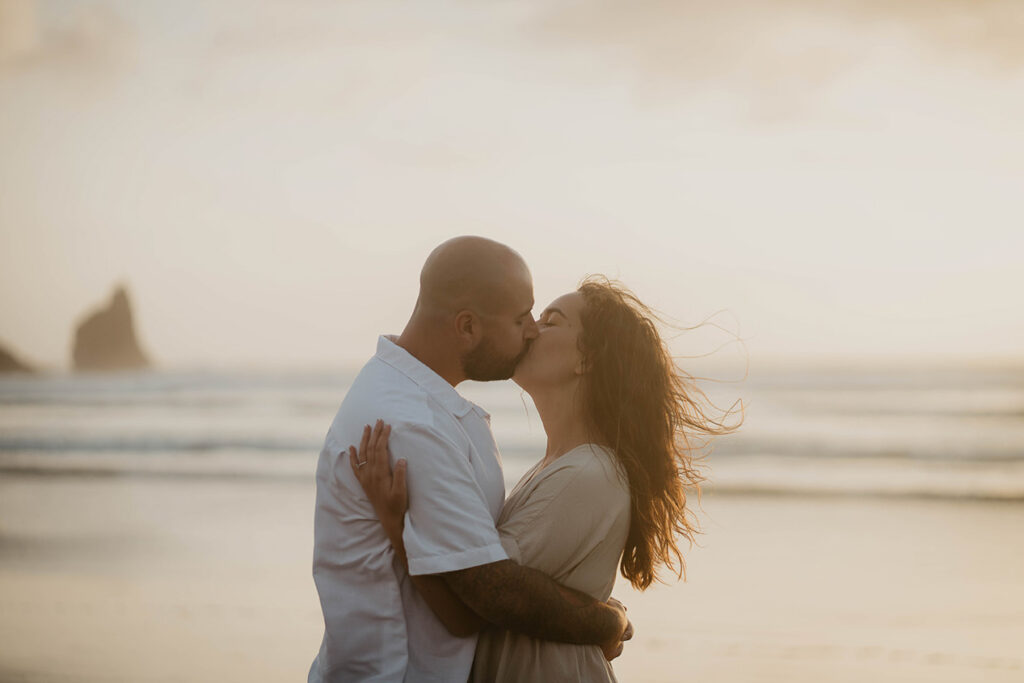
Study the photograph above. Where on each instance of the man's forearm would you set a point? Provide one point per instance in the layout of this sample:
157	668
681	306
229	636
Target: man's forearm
525	600
457	618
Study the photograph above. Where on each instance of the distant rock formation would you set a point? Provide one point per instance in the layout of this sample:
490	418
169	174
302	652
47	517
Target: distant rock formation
106	340
10	363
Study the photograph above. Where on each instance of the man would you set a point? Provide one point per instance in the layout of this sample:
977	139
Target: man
472	320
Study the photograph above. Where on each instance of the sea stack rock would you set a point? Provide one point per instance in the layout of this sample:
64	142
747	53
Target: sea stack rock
106	340
10	363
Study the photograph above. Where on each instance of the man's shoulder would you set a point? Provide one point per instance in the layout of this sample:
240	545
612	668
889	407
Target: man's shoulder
381	391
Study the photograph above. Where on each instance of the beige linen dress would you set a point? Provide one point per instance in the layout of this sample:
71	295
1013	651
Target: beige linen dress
568	520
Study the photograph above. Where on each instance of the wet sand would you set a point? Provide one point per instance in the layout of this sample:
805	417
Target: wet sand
148	579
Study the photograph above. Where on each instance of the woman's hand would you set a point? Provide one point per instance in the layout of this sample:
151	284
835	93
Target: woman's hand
385	489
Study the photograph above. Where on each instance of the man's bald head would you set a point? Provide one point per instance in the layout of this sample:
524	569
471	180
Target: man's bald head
473	318
474	273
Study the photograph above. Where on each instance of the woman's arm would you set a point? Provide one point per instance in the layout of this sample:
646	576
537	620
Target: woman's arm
388	494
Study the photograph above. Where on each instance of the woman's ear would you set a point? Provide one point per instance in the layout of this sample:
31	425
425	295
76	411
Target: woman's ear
582	365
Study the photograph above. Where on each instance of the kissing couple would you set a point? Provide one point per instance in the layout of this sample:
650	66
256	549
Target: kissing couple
424	569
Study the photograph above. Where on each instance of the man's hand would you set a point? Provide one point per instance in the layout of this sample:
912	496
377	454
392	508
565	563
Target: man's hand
613	648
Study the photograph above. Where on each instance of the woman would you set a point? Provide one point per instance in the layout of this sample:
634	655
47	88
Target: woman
611	487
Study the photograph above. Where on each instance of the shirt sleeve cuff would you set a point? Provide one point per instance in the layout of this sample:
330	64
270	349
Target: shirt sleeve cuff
511	547
451	562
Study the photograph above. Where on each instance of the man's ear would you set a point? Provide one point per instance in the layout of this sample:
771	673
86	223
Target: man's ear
468	328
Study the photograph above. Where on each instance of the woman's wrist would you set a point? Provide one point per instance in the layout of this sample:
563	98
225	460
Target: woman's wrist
394	533
394	530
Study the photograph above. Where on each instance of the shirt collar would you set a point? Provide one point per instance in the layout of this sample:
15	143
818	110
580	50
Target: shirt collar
431	382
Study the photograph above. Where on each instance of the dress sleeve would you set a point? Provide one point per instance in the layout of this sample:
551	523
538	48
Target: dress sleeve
572	509
448	525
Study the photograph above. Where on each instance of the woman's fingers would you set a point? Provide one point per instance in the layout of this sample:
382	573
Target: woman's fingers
378	427
353	459
376	441
364	451
374	451
370	462
379	447
382	449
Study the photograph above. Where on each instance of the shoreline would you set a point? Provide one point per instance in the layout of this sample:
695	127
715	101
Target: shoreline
155	579
43	473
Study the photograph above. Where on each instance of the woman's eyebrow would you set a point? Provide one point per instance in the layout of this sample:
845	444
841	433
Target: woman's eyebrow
552	309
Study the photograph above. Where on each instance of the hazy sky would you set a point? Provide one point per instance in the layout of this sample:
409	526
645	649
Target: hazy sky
267	177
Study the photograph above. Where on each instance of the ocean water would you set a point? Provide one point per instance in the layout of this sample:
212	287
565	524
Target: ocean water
942	432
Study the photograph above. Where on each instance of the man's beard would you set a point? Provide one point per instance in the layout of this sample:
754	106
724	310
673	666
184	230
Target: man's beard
483	364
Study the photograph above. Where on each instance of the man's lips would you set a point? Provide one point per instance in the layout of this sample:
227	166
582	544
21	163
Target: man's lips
529	345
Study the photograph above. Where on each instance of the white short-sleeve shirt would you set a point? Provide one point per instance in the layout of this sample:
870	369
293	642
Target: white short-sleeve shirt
376	626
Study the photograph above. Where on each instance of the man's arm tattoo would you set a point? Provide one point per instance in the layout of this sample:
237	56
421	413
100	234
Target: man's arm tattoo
528	601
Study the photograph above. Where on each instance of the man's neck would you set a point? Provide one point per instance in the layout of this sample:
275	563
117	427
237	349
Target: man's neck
423	346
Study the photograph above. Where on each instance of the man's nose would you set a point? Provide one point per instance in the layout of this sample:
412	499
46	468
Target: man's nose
531	329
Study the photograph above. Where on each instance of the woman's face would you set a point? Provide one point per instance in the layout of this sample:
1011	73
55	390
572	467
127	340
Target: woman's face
554	357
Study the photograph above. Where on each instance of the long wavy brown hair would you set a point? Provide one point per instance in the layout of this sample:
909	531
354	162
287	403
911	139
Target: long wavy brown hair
653	416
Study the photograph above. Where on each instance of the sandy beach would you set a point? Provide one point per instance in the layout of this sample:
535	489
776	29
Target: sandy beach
198	579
